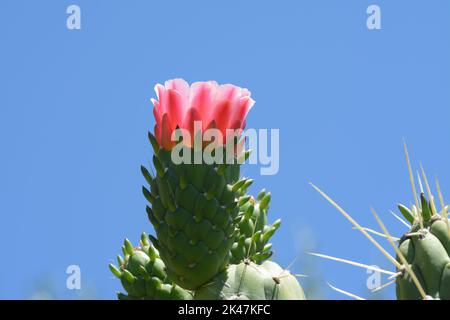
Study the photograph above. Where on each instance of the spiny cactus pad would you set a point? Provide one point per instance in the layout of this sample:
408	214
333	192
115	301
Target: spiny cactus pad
249	281
426	248
193	208
253	232
142	274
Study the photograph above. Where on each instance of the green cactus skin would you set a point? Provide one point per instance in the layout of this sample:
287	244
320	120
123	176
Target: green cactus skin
427	250
193	207
249	281
143	276
253	232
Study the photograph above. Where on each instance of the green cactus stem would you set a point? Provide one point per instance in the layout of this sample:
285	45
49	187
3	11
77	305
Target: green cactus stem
193	210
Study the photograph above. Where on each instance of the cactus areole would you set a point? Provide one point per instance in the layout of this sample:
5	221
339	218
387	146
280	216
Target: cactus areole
194	203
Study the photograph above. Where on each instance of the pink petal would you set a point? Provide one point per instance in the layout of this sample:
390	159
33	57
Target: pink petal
192	116
155	103
222	113
211	125
244	106
158	89
235	125
202	95
175	108
228	92
157	131
245	92
156	110
177	84
161	93
181	86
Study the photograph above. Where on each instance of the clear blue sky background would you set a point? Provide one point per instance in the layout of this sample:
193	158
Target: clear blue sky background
75	109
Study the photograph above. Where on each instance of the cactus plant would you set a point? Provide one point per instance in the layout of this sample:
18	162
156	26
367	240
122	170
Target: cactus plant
208	229
194	203
142	274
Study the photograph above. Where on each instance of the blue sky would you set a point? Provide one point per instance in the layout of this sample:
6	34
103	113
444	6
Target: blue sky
75	109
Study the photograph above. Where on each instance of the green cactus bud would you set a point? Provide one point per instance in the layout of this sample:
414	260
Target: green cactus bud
247	154
426	210
150	198
276	224
246	184
128	247
243	200
144	239
129	276
153	142
120	260
158	166
221	168
249	212
406	213
265	201
261	194
238	185
115	270
146	174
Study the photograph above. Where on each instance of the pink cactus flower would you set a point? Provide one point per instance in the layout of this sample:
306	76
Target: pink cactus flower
216	106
